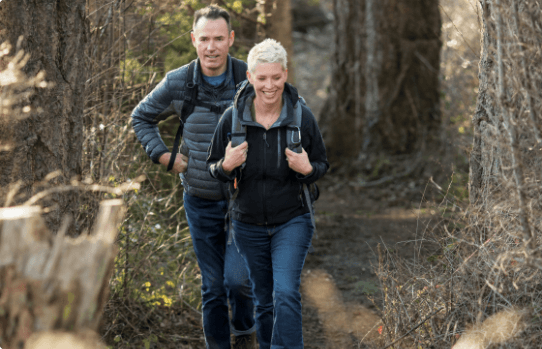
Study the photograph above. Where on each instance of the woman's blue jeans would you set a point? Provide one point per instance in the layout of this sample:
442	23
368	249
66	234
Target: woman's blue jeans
275	256
224	275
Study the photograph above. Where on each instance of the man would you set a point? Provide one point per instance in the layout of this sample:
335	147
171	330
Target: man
224	273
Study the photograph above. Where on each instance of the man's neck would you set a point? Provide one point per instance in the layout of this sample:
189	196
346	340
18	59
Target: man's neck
214	72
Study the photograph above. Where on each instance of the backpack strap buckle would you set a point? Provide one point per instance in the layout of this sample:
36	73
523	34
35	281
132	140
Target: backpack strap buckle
216	109
295	139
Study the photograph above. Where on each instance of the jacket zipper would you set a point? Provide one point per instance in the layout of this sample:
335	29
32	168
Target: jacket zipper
264	176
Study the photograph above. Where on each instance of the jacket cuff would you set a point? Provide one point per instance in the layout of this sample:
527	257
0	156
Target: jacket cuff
155	156
217	172
231	176
305	179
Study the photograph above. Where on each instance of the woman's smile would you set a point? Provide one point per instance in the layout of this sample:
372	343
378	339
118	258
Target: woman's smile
268	80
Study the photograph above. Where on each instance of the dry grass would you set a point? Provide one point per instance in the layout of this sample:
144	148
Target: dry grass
486	262
481	288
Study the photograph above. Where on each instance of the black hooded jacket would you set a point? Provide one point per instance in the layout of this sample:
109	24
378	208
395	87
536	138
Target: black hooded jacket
269	191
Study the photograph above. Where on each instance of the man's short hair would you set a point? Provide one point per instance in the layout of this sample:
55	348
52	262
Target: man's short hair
267	51
212	12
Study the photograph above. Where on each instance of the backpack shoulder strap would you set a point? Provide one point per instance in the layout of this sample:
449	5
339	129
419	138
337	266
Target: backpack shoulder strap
190	96
238	131
293	131
293	134
190	93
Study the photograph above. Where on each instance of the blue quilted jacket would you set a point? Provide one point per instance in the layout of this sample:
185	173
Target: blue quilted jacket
198	129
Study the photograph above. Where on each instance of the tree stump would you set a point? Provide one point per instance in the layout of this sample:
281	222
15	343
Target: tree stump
53	288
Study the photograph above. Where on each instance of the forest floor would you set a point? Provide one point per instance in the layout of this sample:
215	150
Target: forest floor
340	290
341	294
339	277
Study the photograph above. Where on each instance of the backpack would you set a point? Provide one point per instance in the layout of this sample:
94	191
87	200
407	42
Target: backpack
184	108
293	141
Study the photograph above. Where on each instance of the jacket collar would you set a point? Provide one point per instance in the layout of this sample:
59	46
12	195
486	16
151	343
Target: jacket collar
198	79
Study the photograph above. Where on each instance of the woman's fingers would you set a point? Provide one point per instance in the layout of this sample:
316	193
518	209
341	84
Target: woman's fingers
235	156
298	162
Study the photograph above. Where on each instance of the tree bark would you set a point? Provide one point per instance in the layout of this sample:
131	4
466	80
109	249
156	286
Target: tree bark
278	26
48	293
384	94
505	161
54	34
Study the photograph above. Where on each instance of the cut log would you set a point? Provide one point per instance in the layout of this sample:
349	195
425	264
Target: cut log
51	285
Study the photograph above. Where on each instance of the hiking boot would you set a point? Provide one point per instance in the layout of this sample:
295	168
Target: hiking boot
247	341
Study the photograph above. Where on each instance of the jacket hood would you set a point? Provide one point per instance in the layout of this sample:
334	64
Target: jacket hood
246	91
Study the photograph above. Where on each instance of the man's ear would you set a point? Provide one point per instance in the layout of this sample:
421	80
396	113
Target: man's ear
249	77
193	38
232	37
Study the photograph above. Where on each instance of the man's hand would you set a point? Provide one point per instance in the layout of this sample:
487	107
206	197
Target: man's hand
180	165
234	157
299	162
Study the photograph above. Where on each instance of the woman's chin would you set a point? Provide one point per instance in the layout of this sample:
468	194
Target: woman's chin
269	100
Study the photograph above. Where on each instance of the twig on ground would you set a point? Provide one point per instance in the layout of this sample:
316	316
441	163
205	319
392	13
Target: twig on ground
414	328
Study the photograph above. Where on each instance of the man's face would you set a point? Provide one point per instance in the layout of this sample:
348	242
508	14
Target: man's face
212	42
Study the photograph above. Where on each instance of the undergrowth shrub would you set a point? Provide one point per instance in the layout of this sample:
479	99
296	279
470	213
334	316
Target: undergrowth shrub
480	287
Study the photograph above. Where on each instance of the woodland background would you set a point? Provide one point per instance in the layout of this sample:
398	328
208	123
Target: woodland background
426	106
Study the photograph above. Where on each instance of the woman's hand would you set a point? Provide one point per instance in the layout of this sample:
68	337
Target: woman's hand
179	166
234	157
299	162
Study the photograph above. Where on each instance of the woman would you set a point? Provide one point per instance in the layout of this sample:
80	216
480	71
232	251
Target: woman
270	215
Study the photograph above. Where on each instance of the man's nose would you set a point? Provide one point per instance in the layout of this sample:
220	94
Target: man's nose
211	45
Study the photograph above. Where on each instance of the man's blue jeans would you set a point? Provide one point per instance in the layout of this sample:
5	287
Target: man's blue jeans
275	256
224	275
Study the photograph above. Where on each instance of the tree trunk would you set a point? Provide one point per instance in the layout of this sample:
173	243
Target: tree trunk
384	93
278	26
48	293
506	159
54	34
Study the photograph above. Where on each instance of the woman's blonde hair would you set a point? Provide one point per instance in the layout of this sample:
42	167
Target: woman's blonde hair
267	51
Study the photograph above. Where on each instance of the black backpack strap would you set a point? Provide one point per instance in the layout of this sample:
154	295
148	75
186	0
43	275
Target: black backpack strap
238	131
238	136
293	139
188	105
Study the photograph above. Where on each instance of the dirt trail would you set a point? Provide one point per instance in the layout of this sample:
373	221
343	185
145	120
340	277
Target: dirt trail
339	274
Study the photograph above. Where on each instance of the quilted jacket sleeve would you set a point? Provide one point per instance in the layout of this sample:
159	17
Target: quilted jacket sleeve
217	149
144	119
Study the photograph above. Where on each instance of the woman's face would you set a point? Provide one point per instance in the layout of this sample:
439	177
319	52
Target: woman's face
268	80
